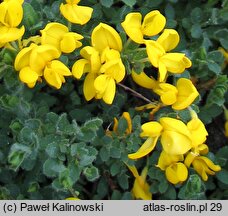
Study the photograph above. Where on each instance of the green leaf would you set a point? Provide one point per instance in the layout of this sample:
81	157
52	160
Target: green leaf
163	186
52	167
123	181
91	173
130	3
93	124
196	31
196	15
222	176
107	3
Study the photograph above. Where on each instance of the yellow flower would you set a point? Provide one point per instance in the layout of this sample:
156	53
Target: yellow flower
152	24
34	39
72	198
173	62
143	80
141	189
104	36
198	132
90	63
180	97
75	13
11	13
175	137
54	73
58	35
175	171
9	34
202	165
31	62
127	117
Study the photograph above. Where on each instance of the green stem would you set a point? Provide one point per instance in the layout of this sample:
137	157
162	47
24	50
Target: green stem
192	112
69	26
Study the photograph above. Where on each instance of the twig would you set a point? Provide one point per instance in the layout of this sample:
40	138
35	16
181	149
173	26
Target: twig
135	93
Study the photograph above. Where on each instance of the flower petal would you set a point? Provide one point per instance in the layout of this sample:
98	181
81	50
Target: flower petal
145	149
88	87
169	39
104	36
27	75
132	27
187	93
153	23
79	67
76	14
175	143
143	80
110	92
151	129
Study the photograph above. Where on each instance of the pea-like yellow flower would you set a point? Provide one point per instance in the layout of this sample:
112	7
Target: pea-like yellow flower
54	73
141	189
11	13
202	165
103	64
75	13
166	62
153	23
175	137
127	117
58	35
175	171
180	97
37	60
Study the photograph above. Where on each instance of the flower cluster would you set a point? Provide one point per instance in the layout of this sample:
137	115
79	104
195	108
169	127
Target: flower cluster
11	14
103	64
183	145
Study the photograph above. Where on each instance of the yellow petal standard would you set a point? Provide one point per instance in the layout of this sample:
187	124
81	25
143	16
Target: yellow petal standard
75	13
11	13
151	129
175	143
172	124
143	80
104	36
153	23
198	132
22	58
79	67
176	173
132	27
169	39
145	149
187	93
